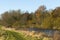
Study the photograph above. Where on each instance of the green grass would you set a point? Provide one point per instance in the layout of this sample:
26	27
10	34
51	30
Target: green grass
11	35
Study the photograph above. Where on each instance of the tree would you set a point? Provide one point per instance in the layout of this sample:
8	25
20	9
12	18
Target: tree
24	18
56	12
8	18
47	23
57	23
41	8
56	18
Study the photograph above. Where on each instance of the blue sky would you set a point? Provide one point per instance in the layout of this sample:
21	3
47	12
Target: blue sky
27	5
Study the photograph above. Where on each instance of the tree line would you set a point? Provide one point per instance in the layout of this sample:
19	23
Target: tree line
41	18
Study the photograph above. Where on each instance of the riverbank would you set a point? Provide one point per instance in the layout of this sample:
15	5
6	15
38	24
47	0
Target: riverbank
36	33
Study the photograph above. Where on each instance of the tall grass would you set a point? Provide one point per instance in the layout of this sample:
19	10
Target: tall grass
11	35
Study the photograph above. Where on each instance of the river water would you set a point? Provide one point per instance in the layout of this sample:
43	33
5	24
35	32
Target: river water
47	31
